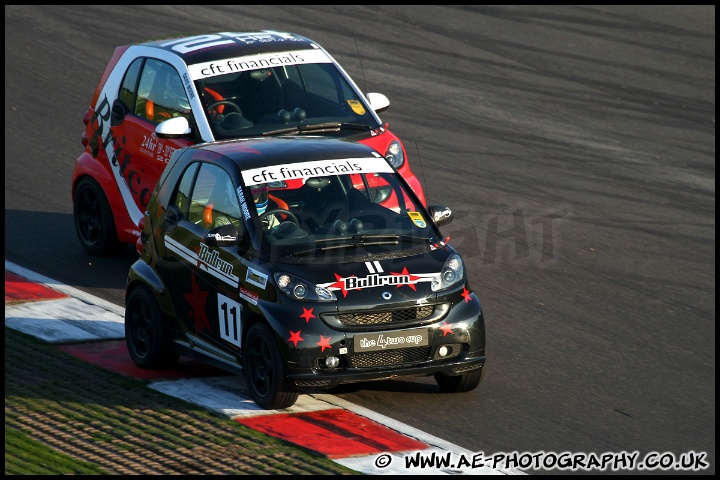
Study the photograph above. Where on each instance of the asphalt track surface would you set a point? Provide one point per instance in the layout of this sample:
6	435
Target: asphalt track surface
575	144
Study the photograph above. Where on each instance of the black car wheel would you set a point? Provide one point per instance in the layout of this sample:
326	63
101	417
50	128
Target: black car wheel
264	371
459	383
144	332
94	221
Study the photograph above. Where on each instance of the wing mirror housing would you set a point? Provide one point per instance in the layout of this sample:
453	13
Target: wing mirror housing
223	236
440	214
177	127
378	102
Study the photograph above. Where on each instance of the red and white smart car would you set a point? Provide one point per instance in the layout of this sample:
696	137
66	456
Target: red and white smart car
159	96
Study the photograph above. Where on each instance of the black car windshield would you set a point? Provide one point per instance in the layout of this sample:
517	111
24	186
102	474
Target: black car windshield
336	208
279	99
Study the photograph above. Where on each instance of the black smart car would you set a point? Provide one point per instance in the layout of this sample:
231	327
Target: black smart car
301	263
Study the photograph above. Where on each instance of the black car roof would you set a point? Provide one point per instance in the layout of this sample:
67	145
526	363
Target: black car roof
222	45
259	152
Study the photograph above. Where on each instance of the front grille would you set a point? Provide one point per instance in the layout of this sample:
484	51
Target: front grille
388	316
386	358
412	315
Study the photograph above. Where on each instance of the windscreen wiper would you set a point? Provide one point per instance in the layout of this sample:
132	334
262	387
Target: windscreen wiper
327	127
359	237
345	242
362	237
361	240
396	236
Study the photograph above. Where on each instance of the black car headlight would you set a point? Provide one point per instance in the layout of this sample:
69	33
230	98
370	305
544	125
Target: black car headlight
394	154
300	289
452	273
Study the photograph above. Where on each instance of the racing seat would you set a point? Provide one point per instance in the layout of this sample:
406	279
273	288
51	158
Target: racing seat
279	201
220	209
213	218
208	216
154	114
211	96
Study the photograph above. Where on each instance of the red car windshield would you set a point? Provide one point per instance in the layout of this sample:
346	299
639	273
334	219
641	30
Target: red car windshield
254	102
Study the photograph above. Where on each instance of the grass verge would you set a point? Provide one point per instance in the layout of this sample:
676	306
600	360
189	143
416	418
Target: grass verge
65	416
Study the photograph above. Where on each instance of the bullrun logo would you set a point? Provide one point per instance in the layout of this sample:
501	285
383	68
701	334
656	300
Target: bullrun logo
205	259
377	279
212	260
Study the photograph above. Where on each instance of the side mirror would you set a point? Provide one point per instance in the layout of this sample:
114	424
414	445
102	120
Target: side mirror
378	102
440	214
223	236
177	127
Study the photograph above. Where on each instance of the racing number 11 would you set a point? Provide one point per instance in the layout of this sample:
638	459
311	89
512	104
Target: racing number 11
230	319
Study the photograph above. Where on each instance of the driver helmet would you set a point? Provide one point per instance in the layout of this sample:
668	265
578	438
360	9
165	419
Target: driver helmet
260	197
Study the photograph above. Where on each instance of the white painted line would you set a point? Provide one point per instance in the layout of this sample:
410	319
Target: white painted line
227	395
437	444
66	289
224	395
65	320
390	423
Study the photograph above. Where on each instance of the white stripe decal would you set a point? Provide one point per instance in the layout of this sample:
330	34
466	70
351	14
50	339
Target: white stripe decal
179	249
317	168
254	62
370	267
192	258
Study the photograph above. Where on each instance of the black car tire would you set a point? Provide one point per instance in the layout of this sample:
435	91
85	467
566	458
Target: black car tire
264	371
144	331
94	221
459	383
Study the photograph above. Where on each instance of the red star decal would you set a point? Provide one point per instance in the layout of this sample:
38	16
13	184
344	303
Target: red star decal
197	298
340	283
413	278
324	343
446	328
307	314
295	338
466	294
